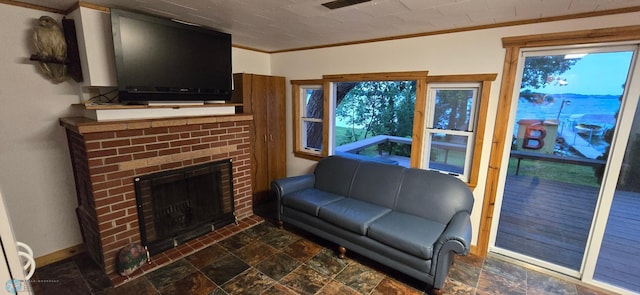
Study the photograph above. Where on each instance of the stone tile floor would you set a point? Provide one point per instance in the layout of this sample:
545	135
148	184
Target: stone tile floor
267	260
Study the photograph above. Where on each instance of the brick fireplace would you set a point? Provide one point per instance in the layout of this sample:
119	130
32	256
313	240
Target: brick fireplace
107	156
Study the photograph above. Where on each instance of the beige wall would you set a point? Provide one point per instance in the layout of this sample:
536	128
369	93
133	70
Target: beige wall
36	177
35	172
471	52
247	61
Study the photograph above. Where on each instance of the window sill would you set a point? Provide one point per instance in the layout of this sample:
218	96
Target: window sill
308	156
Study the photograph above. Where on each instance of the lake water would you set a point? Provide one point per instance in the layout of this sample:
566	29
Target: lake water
597	110
579	104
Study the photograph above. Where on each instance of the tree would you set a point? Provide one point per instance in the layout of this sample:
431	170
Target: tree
631	163
315	109
629	180
539	71
379	107
542	70
452	109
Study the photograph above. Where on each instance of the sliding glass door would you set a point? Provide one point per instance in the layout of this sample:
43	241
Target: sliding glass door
565	124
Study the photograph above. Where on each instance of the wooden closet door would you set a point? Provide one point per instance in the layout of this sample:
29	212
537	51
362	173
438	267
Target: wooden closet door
277	129
264	97
260	162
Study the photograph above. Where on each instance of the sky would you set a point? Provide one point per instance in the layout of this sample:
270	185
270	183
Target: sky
596	73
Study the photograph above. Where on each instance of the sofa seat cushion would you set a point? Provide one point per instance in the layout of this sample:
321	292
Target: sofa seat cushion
409	233
309	200
352	214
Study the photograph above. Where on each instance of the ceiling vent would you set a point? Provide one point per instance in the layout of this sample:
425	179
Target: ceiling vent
342	3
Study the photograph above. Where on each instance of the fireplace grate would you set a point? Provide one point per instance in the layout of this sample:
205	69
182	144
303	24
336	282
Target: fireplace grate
178	205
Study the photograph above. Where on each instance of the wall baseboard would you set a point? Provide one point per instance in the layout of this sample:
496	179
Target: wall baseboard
59	255
476	251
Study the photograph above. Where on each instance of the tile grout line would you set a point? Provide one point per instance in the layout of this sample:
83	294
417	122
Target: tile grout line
200	271
84	279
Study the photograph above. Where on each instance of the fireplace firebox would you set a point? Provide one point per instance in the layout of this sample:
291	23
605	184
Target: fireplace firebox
179	205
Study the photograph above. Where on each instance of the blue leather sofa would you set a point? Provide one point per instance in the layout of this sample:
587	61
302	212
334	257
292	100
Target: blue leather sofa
411	220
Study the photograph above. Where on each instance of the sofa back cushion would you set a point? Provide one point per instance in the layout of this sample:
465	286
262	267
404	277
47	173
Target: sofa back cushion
335	174
377	183
433	195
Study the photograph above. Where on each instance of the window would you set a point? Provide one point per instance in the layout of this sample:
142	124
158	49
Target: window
372	115
449	128
374	119
455	111
308	100
445	117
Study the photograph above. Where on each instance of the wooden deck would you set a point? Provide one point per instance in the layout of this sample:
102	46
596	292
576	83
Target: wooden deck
619	262
550	220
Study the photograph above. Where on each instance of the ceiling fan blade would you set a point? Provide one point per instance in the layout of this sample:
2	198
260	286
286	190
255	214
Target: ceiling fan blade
342	3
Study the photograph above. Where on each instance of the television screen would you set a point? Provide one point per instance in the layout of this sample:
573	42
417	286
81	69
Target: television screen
160	59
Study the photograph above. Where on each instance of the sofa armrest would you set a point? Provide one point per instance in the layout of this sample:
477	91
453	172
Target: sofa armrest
456	236
288	185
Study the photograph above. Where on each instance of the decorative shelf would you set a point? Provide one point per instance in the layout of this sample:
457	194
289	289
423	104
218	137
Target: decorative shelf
74	69
84	125
119	112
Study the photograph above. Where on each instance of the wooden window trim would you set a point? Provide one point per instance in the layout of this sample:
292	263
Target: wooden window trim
418	118
298	150
481	118
391	76
326	116
513	45
422	79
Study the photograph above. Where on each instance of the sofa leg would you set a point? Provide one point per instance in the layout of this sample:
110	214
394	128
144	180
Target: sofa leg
280	224
342	251
437	291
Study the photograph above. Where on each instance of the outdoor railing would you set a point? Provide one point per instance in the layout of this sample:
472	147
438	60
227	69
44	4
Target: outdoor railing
381	140
554	158
360	145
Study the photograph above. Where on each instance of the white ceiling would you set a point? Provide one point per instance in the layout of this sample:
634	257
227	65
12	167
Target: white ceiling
273	25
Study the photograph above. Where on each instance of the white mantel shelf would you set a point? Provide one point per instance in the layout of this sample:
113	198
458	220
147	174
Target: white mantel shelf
118	112
84	125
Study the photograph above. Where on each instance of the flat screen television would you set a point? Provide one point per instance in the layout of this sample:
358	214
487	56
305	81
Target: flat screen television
159	59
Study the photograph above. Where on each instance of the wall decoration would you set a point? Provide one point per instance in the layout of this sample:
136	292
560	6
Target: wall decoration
51	48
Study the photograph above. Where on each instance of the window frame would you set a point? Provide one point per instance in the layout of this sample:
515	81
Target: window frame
299	137
330	103
469	132
482	107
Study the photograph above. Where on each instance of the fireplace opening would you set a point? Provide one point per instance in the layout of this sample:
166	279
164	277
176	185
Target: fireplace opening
182	204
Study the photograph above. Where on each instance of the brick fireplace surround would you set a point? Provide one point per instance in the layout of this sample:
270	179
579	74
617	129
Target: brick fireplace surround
106	156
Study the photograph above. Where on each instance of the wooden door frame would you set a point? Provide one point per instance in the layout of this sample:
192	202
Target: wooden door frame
513	46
